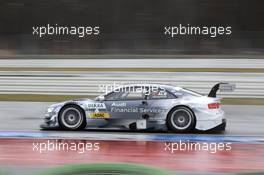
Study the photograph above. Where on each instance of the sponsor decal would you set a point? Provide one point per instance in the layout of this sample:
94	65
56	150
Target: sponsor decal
99	115
96	106
138	110
151	110
131	109
119	104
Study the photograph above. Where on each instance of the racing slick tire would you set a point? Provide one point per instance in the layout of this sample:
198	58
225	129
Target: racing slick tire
72	117
181	119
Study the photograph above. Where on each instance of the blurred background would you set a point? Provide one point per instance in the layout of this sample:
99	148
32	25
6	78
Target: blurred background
132	26
35	72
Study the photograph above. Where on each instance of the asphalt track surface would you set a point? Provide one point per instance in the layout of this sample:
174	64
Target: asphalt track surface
244	120
19	128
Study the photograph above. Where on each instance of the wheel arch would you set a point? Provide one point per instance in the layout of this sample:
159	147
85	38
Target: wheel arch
181	105
69	104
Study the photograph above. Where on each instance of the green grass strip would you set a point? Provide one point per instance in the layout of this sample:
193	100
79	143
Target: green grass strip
253	173
106	169
3	172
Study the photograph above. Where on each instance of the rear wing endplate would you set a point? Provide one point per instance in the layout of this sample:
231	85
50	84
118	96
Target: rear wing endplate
223	87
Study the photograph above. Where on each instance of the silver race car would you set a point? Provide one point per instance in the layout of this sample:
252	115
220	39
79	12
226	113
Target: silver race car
142	107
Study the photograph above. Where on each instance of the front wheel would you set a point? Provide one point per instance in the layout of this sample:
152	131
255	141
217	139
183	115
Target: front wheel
181	119
71	117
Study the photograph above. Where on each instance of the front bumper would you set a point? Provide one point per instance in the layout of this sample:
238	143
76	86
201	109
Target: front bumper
46	126
50	121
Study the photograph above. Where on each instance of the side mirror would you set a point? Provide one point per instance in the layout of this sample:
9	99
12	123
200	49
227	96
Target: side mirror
146	96
101	98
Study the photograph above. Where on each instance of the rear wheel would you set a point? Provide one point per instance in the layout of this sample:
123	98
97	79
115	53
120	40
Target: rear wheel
72	117
181	119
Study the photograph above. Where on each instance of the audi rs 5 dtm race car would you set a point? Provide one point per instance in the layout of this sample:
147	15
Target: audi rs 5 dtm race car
141	107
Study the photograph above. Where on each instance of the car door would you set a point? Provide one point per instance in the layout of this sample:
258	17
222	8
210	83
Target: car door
158	103
125	103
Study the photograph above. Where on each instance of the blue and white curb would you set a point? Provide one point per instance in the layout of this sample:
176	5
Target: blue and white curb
131	137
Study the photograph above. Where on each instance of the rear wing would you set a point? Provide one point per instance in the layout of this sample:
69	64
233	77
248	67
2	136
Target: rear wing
223	87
